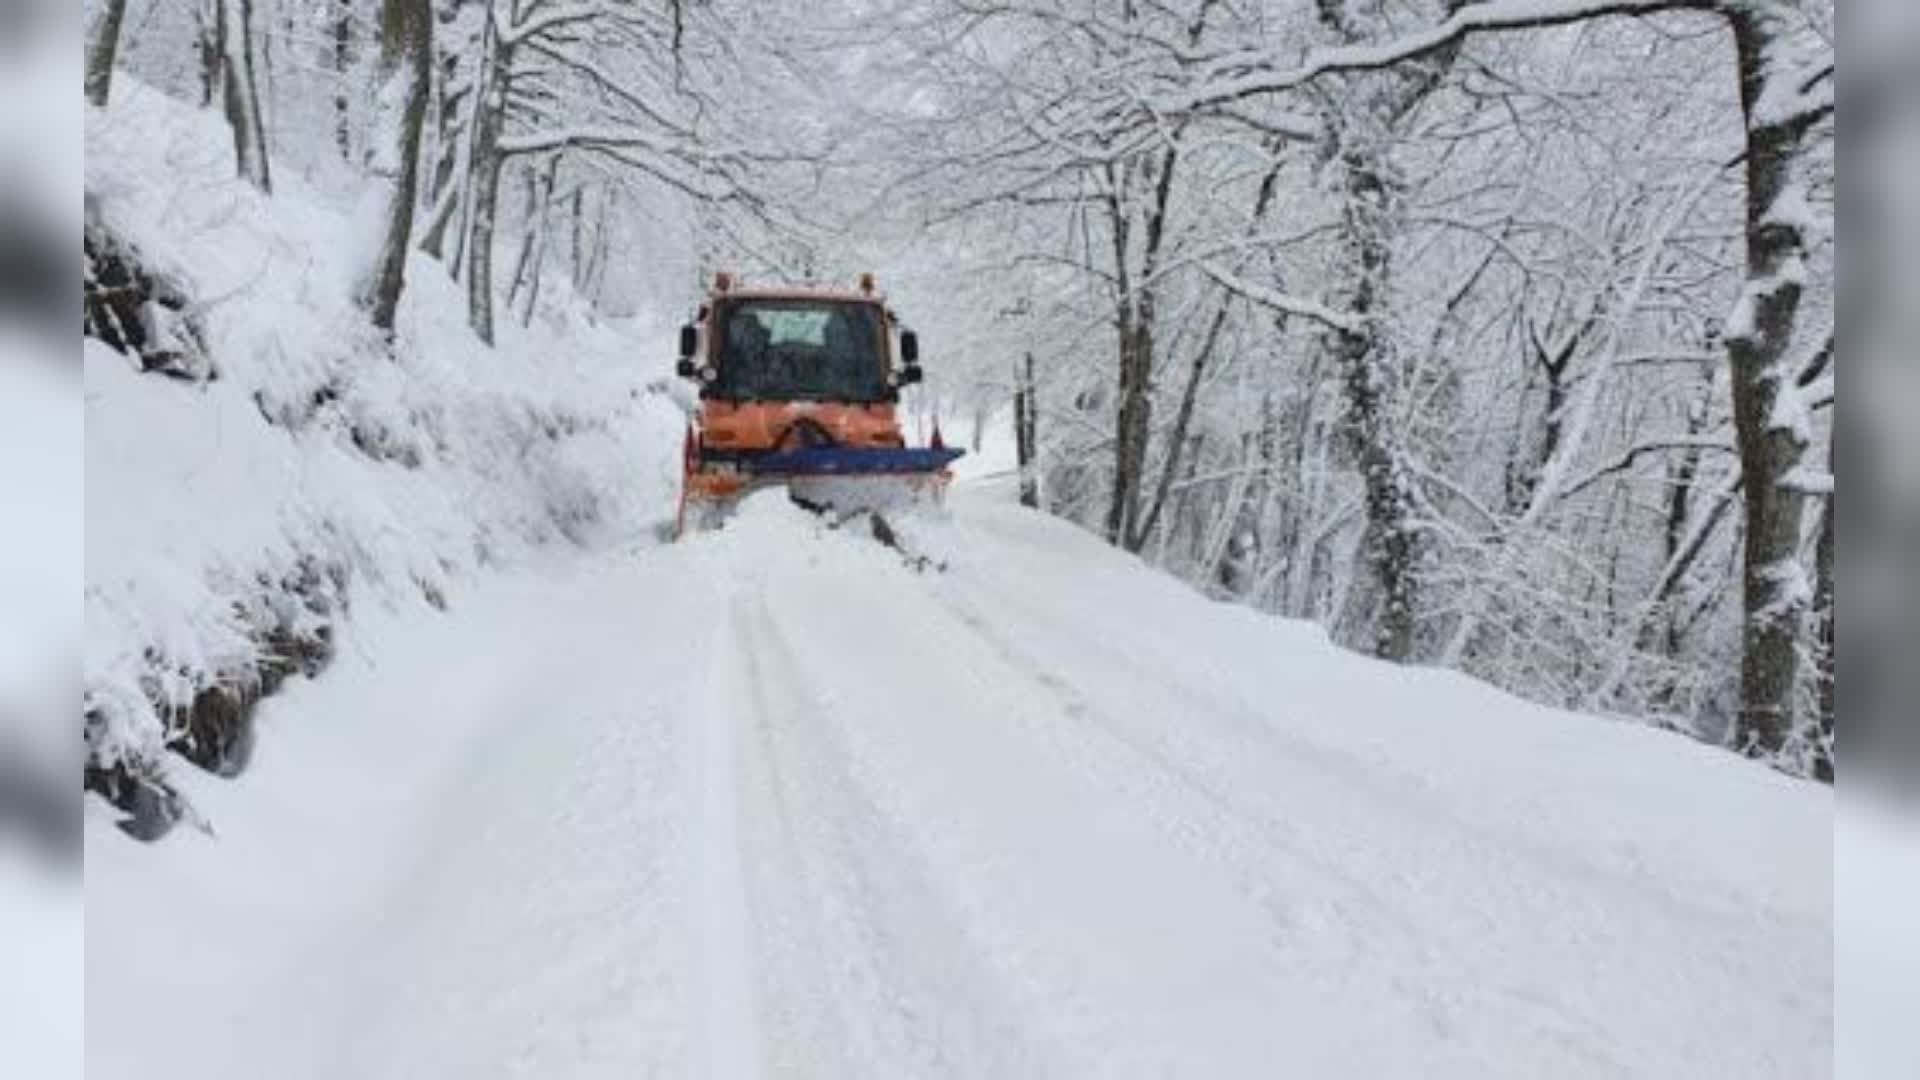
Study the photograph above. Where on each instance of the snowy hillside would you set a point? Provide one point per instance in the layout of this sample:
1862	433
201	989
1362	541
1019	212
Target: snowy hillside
285	463
771	803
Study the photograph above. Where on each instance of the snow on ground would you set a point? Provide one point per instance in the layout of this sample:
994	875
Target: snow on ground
770	802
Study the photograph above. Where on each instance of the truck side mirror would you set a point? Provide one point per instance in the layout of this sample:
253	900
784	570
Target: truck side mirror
909	348
689	341
684	368
911	374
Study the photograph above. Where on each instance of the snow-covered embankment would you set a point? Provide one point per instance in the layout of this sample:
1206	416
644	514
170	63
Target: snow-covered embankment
279	462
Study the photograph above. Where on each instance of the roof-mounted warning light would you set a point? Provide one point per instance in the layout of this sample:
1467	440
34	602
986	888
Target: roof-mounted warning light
722	281
866	283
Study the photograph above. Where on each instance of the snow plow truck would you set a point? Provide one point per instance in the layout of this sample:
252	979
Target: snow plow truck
798	387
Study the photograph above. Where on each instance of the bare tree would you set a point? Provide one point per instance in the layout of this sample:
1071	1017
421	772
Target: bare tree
1825	646
342	59
484	160
1026	432
1136	312
544	86
1783	99
206	48
240	93
103	45
1381	609
452	109
401	78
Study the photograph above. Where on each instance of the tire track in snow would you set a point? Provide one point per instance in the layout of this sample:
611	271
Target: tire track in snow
1124	955
870	971
728	1017
1322	918
1326	918
1203	745
533	934
1237	735
1508	905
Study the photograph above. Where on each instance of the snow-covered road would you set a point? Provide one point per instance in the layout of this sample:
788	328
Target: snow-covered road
773	803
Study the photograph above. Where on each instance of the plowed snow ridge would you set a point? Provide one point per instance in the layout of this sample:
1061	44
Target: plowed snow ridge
770	803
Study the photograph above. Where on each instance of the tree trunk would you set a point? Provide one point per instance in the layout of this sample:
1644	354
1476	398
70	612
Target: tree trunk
1379	615
401	81
207	24
1177	439
1826	641
577	240
1133	426
479	242
1026	428
342	63
489	92
449	146
483	191
600	248
1189	395
1136	319
1526	474
529	236
1126	463
1769	414
1659	627
1681	479
1239	561
441	214
103	45
240	92
542	223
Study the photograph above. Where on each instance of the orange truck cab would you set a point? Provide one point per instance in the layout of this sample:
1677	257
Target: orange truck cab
797	383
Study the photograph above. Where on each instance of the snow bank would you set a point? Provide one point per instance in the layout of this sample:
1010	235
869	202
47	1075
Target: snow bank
232	518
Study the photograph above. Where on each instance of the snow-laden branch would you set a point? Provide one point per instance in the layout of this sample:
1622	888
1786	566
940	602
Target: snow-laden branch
589	137
1799	97
1498	15
695	186
608	83
1810	480
1627	458
1292	125
1582	410
577	137
542	20
1284	302
1818	394
1816	364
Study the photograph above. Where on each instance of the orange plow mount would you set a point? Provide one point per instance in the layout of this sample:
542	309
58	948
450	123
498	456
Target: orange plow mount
821	476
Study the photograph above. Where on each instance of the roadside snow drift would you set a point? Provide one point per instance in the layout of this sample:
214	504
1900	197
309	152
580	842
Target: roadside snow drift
286	461
771	803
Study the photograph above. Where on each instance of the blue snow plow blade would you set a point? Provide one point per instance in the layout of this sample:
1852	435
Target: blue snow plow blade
848	461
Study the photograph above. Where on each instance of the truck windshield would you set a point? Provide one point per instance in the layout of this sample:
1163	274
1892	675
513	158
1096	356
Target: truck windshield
814	350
